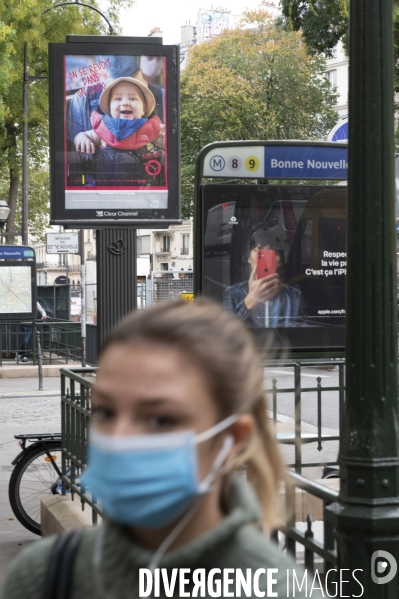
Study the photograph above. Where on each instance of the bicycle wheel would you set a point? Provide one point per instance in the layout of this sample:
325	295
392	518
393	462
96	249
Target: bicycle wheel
32	479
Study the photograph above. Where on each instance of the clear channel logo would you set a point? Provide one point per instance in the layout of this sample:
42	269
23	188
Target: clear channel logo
99	212
383	567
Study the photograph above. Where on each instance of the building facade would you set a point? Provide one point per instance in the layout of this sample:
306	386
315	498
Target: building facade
170	249
51	266
337	73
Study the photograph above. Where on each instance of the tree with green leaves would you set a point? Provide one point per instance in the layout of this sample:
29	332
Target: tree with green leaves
6	36
23	21
326	22
257	81
323	22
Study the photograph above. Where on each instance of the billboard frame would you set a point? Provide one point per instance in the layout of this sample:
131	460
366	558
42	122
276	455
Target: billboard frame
295	354
123	46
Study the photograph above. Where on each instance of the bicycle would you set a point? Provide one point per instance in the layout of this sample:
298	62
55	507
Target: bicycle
37	473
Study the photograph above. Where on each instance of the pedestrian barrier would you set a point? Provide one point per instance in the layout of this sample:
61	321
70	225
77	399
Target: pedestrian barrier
76	386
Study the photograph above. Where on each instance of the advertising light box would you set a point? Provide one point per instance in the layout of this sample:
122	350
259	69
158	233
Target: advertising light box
114	134
275	256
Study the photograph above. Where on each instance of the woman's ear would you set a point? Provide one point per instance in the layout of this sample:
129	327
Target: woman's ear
241	431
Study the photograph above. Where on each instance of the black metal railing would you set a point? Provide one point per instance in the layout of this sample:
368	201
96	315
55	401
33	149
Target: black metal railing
75	417
76	384
62	339
298	438
59	340
313	550
53	266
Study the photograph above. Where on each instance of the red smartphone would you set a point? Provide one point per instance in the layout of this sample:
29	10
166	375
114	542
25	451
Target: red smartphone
265	263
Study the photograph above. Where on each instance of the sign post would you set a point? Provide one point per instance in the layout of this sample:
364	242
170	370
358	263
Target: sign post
114	168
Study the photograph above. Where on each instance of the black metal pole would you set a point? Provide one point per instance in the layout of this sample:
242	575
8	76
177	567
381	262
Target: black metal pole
367	516
77	3
25	151
83	294
39	360
116	278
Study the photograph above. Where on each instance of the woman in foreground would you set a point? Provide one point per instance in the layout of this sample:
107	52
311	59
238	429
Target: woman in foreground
179	417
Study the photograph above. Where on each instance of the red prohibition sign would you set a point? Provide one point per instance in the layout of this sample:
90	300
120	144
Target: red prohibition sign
153	168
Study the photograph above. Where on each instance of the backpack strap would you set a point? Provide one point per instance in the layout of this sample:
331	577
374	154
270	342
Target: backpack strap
60	567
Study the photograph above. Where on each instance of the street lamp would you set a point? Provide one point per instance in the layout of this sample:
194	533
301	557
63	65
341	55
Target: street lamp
4	212
26	79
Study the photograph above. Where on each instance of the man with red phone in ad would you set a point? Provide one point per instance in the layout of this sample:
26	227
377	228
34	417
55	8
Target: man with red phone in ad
266	263
264	301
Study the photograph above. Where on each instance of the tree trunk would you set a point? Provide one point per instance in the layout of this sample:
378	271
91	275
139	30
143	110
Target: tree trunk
11	146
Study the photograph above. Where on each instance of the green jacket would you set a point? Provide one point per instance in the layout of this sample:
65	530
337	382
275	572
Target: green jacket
235	543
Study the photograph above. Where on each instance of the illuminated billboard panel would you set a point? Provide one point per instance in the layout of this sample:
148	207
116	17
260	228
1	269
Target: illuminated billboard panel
275	256
114	134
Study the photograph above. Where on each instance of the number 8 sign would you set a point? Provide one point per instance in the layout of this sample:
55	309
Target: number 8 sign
234	163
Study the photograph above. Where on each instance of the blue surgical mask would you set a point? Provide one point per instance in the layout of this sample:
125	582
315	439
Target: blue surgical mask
150	480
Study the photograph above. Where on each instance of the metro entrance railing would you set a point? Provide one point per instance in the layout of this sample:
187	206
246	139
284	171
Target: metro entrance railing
76	386
59	340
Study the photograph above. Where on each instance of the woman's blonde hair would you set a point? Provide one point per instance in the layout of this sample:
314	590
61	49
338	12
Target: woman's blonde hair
223	349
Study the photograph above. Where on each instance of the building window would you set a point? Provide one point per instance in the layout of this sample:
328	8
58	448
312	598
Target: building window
164	266
332	77
145	244
334	52
165	243
185	244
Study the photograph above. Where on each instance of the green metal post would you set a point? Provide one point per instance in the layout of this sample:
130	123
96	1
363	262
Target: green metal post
298	419
367	515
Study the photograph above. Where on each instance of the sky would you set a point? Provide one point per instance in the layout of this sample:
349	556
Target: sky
170	16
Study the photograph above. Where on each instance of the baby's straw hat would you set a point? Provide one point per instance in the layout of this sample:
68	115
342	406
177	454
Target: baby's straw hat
138	80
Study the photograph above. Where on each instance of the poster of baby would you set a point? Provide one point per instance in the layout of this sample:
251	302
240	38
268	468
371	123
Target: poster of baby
115	126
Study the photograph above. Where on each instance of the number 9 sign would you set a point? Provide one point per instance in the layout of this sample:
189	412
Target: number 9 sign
252	163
